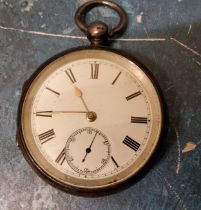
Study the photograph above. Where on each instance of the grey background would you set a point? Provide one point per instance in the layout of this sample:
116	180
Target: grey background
174	180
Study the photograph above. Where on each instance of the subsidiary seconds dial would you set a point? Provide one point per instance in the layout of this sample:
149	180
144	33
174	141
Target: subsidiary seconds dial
87	151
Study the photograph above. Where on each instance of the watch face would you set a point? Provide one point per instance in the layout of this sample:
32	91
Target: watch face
90	119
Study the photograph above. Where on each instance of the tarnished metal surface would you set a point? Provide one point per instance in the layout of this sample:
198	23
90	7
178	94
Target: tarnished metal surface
165	37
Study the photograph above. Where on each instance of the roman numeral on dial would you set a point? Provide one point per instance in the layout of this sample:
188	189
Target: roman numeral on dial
70	75
133	95
53	91
94	70
116	78
46	136
139	120
114	161
134	145
60	159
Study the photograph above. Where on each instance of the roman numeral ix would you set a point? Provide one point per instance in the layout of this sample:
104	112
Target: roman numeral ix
134	145
46	136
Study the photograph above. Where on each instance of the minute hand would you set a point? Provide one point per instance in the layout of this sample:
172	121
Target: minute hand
49	113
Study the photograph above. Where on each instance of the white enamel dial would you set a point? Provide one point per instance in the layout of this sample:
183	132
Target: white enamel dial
91	115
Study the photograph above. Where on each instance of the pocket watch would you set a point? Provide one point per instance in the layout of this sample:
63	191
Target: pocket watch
90	117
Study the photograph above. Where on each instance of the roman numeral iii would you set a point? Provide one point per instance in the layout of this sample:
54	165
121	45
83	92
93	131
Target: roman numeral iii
139	120
94	70
46	136
134	145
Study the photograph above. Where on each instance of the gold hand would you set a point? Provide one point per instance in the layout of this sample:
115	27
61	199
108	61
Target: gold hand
79	94
49	113
58	112
91	116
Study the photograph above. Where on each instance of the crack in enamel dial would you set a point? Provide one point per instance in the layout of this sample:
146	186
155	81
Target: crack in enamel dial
91	118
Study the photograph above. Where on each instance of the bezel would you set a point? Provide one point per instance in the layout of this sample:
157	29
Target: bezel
83	185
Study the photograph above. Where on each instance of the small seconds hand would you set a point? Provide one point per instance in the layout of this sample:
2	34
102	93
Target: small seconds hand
88	150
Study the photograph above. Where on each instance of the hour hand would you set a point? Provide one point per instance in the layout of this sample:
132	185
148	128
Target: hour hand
79	94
